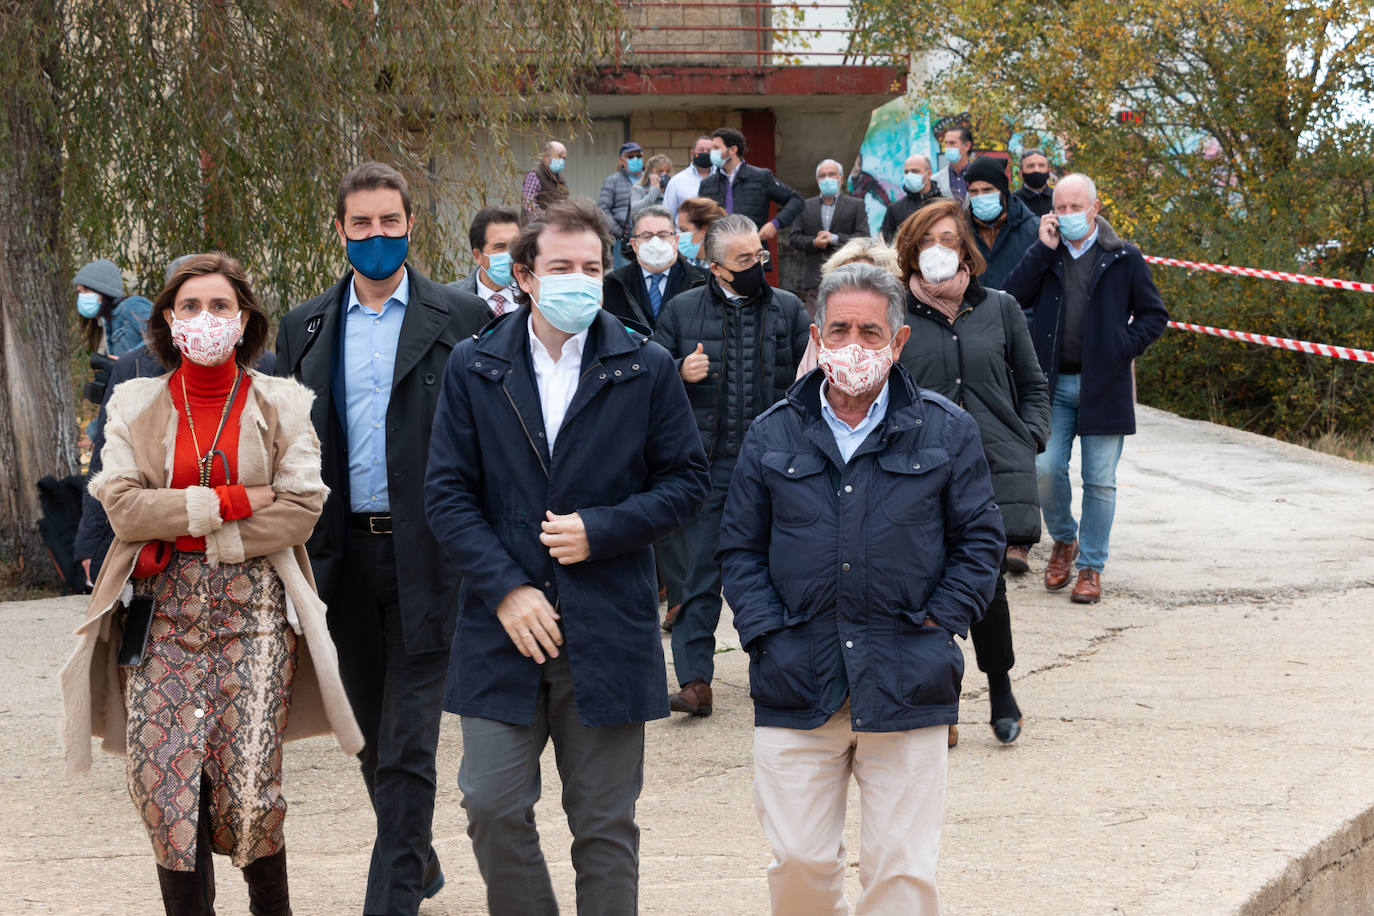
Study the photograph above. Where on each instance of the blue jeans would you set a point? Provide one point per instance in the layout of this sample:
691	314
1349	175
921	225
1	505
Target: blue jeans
694	628
1100	455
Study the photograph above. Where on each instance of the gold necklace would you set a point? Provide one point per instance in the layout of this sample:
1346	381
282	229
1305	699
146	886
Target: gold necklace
203	461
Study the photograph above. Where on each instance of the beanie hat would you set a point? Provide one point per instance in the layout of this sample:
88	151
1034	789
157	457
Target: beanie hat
989	169
102	276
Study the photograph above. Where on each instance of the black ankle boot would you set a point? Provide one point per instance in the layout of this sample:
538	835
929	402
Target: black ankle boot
187	893
267	891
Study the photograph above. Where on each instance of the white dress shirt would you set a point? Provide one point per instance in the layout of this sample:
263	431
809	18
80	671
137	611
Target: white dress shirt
506	292
556	381
682	186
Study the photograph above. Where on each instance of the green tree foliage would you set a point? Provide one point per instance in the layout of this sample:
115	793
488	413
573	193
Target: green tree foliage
227	123
1252	143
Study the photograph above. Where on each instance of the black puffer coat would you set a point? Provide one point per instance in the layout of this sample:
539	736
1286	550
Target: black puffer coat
753	347
985	362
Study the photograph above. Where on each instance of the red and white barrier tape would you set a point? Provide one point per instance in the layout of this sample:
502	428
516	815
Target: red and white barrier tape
1282	343
1353	285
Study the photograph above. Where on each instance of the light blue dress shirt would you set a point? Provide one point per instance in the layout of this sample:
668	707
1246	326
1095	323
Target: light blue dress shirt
369	358
1077	253
848	439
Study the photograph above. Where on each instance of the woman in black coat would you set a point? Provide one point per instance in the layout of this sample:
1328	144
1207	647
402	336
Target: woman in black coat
971	344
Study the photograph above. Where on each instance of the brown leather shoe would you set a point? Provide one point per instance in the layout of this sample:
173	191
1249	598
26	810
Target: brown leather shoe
1088	588
1059	567
953	735
1018	560
669	618
694	699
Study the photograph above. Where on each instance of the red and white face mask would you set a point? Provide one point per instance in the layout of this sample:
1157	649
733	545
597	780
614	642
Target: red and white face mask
854	369
207	339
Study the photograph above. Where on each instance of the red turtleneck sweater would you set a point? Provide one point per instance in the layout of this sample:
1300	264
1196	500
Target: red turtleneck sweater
207	387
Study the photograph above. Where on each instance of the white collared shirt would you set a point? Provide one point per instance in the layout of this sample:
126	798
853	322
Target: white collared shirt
556	381
486	292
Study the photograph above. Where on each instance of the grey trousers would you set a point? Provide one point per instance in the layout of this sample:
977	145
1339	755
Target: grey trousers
602	771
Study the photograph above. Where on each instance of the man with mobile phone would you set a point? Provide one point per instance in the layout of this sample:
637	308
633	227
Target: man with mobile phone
1094	309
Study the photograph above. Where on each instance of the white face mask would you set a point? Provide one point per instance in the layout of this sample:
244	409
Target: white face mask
938	263
656	254
207	339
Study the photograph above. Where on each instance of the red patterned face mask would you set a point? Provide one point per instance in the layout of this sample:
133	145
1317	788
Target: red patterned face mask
855	369
207	339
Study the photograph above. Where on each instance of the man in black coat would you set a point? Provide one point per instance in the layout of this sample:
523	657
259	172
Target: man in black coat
1095	309
828	220
638	291
563	447
920	190
737	342
1035	191
747	189
373	349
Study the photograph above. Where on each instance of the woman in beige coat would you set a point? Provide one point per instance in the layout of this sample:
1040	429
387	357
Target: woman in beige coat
211	481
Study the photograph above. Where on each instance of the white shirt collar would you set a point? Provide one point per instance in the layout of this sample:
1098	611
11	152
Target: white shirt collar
571	347
1077	253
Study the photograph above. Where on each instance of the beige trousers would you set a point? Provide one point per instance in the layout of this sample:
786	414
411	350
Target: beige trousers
801	778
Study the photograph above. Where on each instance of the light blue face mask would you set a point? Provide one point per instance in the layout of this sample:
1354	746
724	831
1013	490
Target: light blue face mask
717	158
88	305
913	182
556	164
829	186
499	271
634	166
986	207
1073	226
569	302
686	247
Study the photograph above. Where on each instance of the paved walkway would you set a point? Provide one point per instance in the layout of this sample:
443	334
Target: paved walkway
1186	741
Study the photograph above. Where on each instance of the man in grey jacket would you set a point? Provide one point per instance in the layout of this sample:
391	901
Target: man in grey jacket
616	198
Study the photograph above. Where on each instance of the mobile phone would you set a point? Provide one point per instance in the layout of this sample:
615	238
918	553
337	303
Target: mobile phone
138	623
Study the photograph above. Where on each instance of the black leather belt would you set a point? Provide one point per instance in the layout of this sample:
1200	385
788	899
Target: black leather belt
372	524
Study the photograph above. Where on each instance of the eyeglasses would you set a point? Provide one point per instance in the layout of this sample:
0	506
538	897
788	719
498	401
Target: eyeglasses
190	308
663	235
944	239
745	261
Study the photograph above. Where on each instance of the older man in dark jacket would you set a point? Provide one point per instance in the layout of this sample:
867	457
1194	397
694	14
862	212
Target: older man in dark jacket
738	342
563	447
828	221
860	537
1095	309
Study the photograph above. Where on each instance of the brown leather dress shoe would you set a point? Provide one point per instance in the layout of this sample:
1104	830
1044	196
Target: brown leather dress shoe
670	618
694	699
953	735
1059	567
1018	560
1088	588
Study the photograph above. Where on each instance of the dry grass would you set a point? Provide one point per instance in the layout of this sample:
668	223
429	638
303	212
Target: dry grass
1342	445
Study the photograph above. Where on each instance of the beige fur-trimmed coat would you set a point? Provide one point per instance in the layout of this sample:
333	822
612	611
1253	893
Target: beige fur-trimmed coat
277	446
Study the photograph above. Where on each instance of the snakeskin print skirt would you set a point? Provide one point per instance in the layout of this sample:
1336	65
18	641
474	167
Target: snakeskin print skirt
211	696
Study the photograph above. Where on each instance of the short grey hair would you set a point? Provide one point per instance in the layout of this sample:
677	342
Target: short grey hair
655	210
1079	176
824	162
1034	151
867	278
731	224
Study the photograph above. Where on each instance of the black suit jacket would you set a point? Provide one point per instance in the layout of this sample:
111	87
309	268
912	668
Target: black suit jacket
850	220
626	298
755	188
436	319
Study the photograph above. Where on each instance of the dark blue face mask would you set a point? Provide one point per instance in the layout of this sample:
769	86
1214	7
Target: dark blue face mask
378	257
